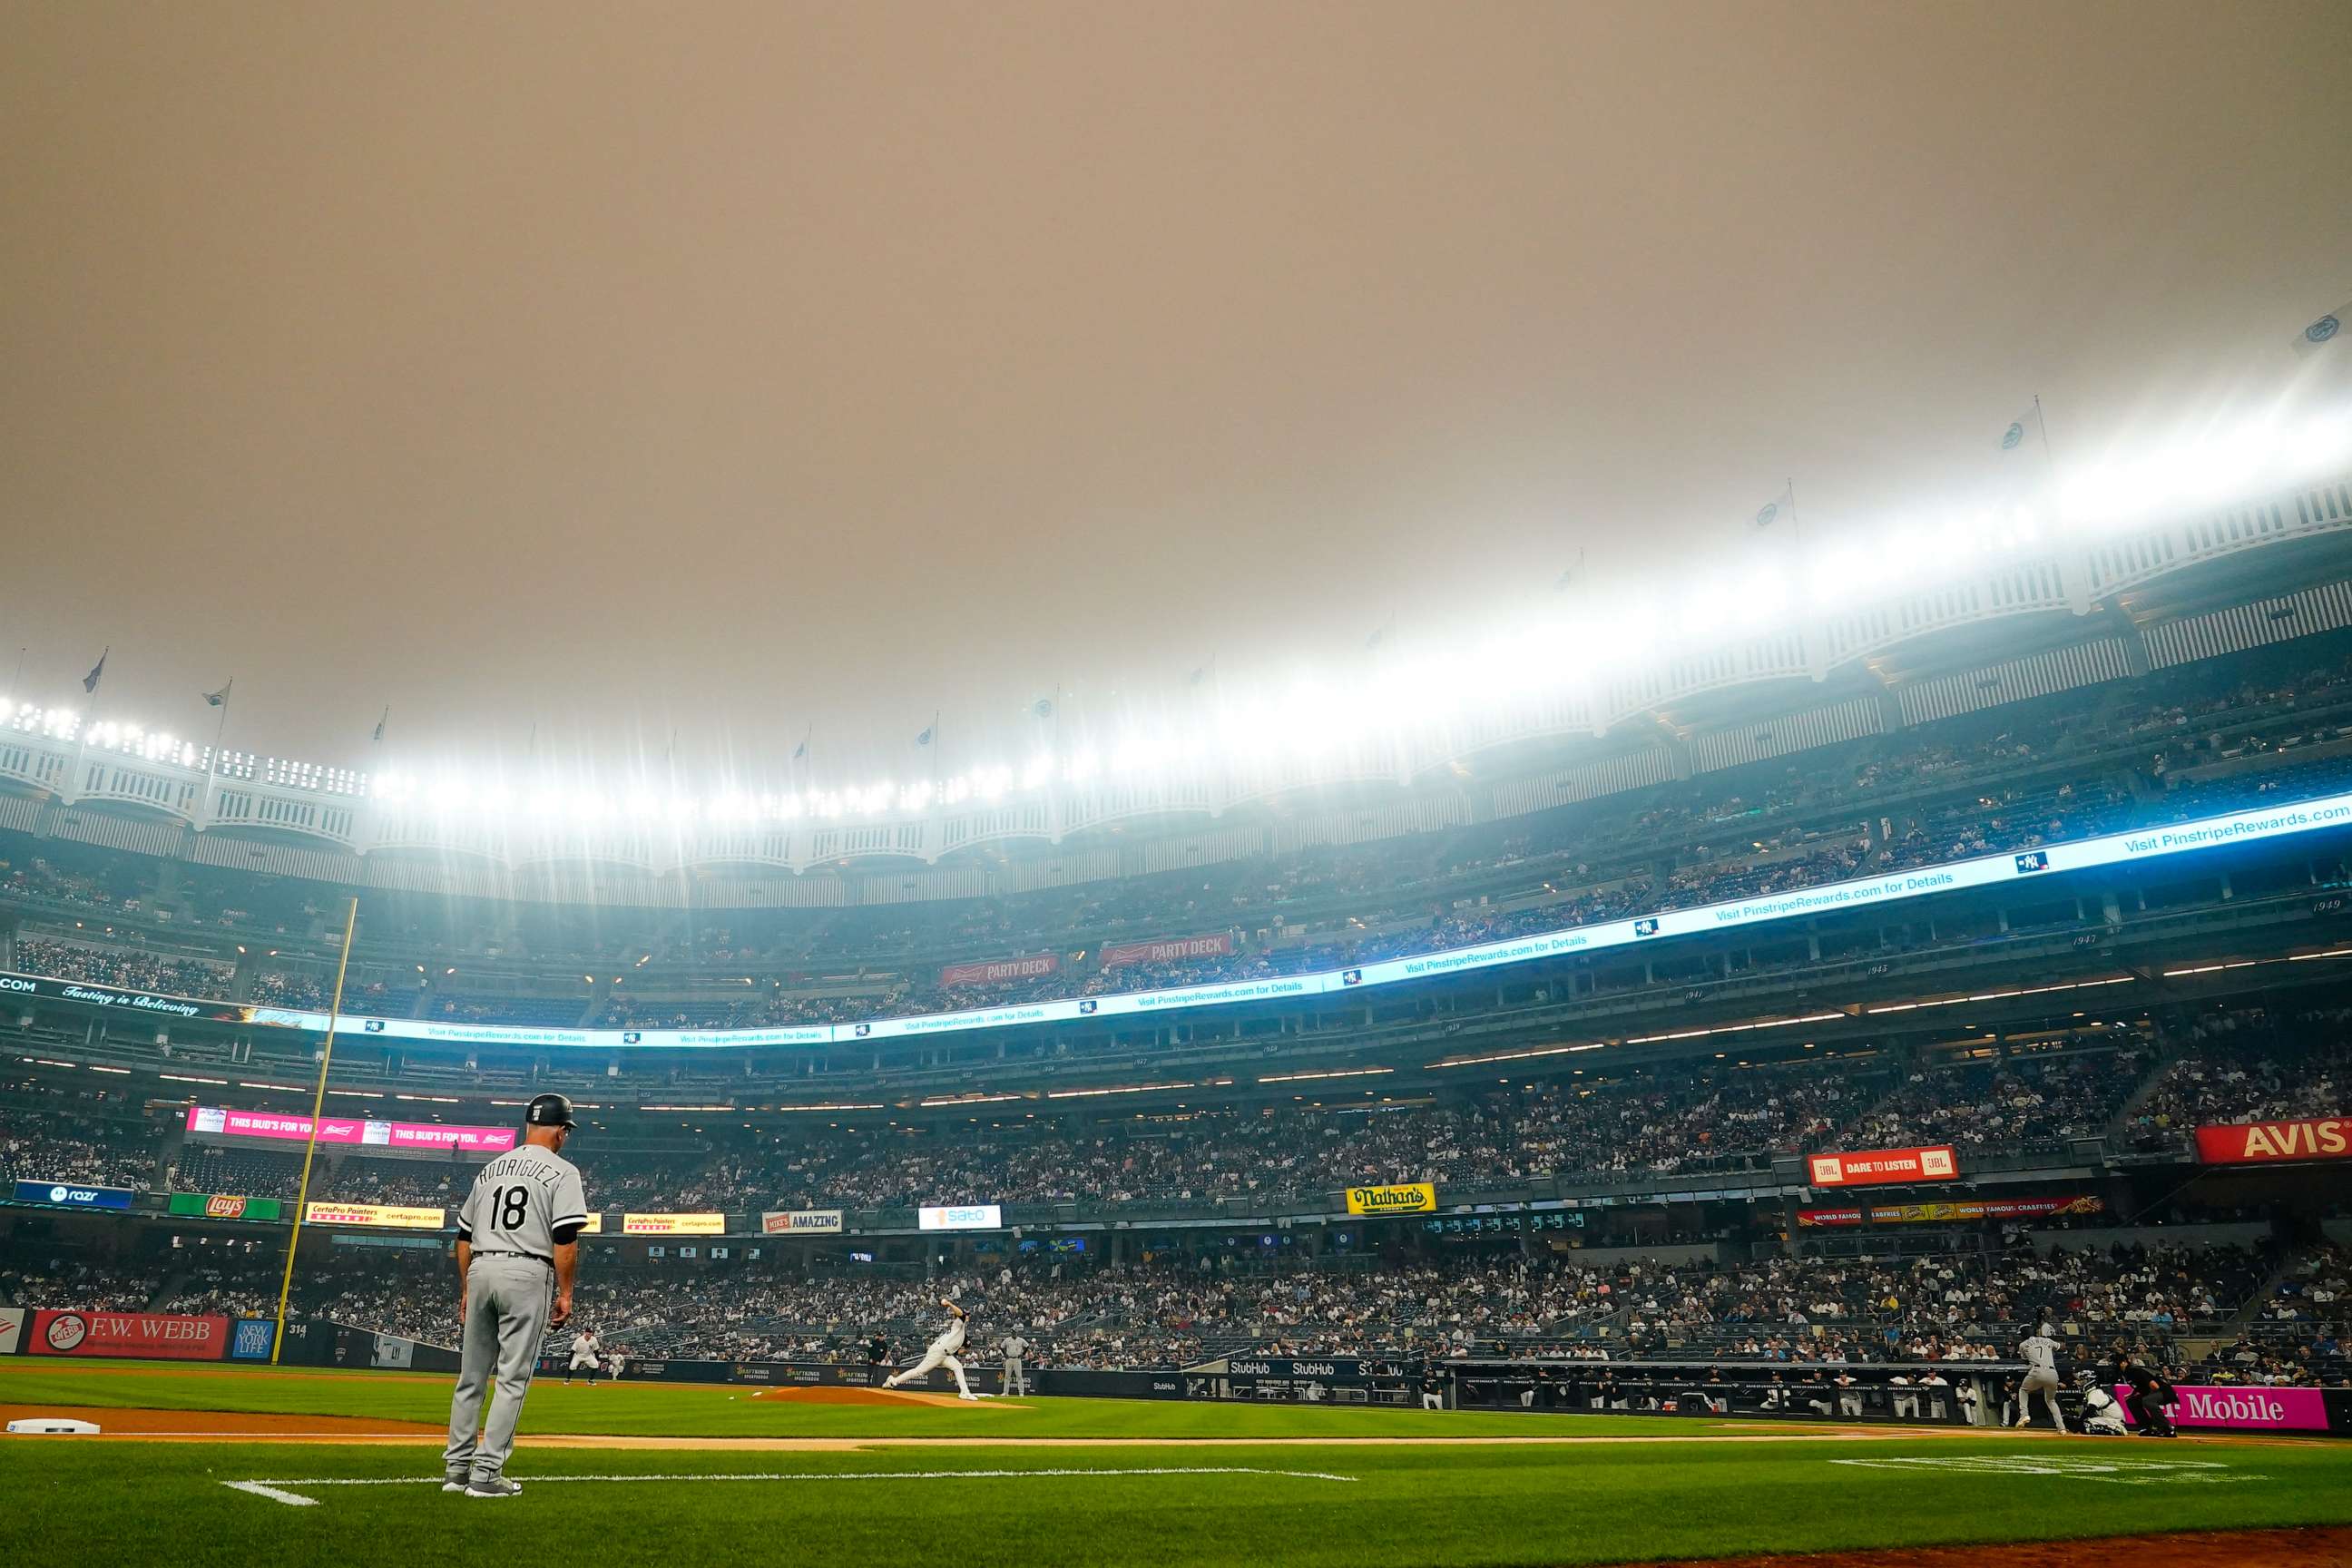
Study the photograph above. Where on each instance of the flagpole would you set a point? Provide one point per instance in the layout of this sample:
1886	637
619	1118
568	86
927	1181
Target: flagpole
311	1147
1795	524
212	765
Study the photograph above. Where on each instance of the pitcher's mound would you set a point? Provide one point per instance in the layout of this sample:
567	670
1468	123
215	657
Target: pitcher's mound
850	1395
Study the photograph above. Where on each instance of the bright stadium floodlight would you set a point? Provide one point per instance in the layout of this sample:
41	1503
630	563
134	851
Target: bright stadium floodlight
641	805
1083	766
995	781
1040	770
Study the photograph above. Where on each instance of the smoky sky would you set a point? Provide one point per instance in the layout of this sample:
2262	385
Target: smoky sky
727	370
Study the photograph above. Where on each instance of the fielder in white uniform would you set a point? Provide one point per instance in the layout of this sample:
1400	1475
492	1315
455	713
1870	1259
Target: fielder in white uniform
518	1250
2041	1353
941	1352
2102	1416
583	1356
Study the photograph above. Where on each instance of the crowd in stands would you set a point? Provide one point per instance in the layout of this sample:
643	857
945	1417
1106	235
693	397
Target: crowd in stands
126	969
1661	1119
1981	783
2247	1068
1171	1310
59	1146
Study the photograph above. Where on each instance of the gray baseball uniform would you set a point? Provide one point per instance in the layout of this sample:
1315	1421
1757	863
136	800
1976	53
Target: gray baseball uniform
1015	1380
522	1202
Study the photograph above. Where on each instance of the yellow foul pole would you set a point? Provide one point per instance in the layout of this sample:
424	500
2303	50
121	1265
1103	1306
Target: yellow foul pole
311	1147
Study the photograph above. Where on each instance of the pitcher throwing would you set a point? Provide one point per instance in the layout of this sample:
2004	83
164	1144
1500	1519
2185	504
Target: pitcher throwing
942	1352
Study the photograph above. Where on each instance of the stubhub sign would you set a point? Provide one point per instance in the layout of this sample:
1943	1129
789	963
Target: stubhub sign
67	1194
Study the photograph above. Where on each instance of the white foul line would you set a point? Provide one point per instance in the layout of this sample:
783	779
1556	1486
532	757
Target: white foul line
274	1489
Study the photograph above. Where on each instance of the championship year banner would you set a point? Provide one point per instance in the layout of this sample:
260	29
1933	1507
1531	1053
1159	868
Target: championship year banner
140	1334
2267	1142
800	1222
383	1216
673	1224
1401	1197
1875	1167
226	1205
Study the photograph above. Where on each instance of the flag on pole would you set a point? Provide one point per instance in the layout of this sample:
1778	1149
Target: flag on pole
1043	707
800	752
219	698
2026	424
1200	673
1373	642
929	731
1779	509
89	681
380	724
2323	331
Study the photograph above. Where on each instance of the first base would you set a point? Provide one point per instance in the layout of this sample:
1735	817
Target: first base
51	1426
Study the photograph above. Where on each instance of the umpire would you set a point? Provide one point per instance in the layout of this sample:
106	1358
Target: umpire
518	1245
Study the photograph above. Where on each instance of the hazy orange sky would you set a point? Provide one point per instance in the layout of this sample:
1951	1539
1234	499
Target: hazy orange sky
733	368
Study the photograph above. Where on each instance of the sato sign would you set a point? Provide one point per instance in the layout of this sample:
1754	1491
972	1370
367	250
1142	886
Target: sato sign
1406	1197
798	1222
70	1195
1876	1167
2265	1142
961	1217
140	1334
430	1136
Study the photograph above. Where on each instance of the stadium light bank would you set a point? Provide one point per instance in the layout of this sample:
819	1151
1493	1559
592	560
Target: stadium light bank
1394	696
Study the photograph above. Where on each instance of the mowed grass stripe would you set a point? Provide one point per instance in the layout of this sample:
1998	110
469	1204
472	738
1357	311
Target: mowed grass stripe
1414	1507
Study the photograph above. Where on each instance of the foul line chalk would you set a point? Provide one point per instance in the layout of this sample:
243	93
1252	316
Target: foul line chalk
280	1491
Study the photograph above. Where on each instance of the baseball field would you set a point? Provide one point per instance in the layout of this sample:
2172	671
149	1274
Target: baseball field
249	1465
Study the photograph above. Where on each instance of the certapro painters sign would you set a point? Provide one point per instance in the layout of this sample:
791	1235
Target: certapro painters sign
1403	1197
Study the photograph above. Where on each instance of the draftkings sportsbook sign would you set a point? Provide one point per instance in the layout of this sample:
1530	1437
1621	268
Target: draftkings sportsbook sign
1403	1197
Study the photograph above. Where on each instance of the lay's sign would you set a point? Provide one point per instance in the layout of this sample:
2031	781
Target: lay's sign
1405	1198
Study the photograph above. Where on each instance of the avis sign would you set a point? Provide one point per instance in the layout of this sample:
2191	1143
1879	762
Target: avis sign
2263	1143
1876	1167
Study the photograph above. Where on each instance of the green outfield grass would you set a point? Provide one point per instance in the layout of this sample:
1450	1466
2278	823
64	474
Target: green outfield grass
1406	1506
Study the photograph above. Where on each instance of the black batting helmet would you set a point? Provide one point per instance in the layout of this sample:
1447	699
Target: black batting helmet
549	1111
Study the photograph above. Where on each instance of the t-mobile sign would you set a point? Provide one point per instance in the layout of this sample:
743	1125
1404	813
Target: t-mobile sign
428	1136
